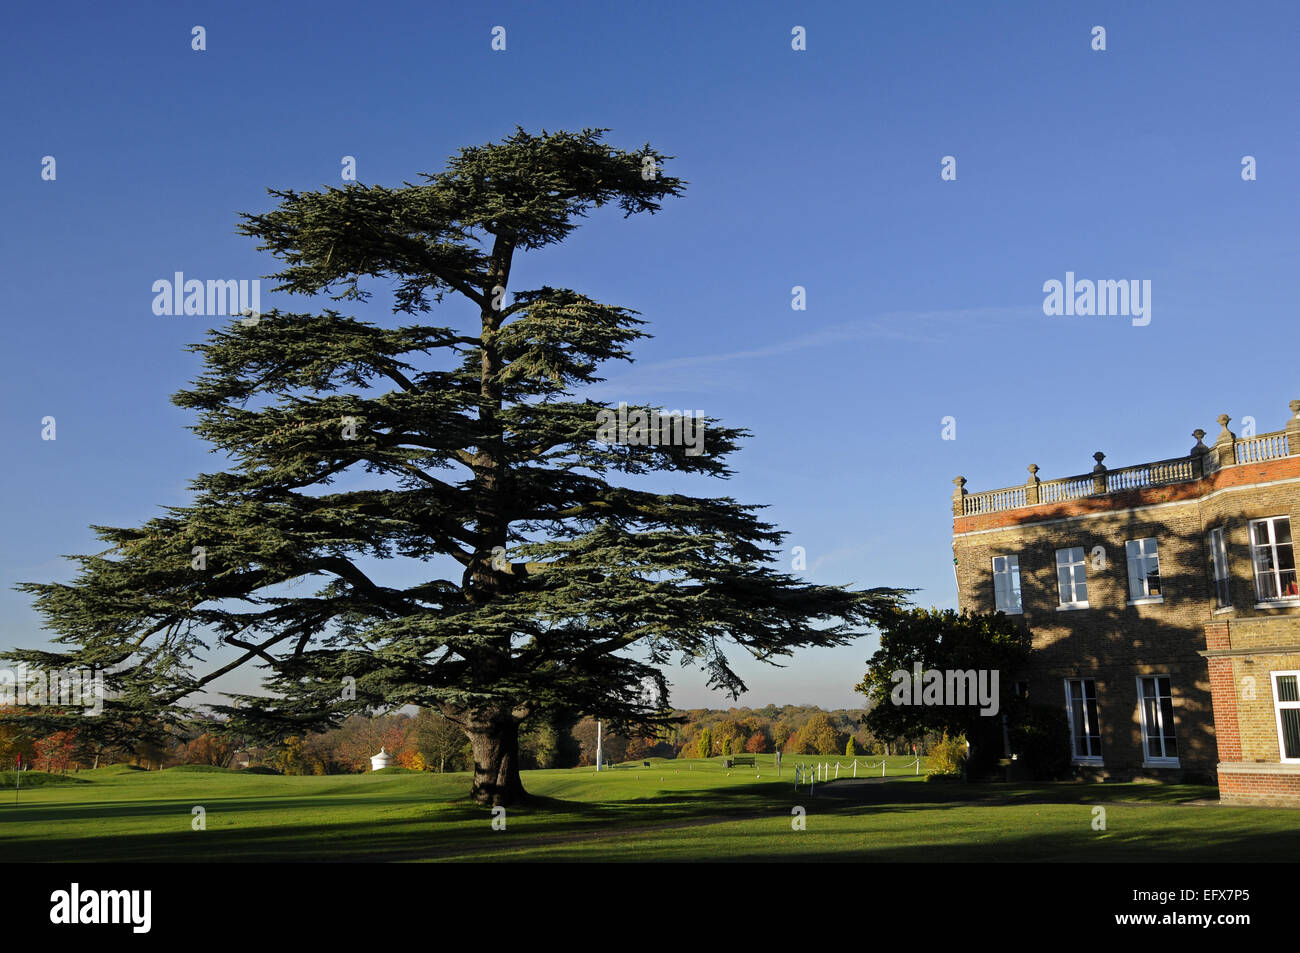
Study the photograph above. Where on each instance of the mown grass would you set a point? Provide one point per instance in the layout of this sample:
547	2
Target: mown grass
684	810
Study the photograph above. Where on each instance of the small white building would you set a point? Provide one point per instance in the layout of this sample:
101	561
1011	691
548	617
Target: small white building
381	760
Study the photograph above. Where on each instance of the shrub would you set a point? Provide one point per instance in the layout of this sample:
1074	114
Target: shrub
1040	738
947	756
851	749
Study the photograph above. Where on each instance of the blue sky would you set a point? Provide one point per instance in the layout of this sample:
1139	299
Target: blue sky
818	168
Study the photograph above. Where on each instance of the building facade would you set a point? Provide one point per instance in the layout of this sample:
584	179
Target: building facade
1164	607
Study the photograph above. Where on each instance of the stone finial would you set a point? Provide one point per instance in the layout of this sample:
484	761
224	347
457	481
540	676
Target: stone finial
1200	455
1031	485
1295	408
1225	447
1293	430
958	496
1099	473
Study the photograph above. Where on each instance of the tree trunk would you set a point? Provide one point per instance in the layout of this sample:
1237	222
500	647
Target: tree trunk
493	731
494	737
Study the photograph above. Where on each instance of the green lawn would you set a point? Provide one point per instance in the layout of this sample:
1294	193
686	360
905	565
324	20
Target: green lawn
674	810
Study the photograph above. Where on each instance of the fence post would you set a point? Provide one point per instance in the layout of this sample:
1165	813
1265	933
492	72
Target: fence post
837	769
855	767
883	762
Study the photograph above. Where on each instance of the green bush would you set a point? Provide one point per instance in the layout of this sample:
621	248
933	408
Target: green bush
947	756
1040	738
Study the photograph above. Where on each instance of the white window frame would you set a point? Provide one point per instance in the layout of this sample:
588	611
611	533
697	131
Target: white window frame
1219	563
1139	562
1165	760
1277	714
1090	730
1275	573
1012	574
1075	585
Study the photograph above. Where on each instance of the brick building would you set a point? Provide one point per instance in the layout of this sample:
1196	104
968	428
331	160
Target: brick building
1164	608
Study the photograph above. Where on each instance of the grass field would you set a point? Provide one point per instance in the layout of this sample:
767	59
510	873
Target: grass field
684	810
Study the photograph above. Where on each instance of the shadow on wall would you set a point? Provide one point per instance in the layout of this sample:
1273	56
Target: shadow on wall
1111	641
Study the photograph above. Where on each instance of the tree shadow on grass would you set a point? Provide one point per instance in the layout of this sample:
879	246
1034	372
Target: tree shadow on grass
665	825
130	809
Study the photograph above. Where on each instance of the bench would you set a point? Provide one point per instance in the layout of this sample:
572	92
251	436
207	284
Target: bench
743	761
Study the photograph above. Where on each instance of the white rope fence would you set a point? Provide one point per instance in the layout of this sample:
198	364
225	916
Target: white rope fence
811	774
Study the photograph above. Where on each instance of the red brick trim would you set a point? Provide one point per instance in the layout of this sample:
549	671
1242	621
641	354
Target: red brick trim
1244	474
1223	691
1264	784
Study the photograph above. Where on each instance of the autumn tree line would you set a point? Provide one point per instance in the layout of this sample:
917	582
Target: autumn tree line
426	741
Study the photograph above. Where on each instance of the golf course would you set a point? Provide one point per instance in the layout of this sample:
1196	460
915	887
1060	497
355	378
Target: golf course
672	810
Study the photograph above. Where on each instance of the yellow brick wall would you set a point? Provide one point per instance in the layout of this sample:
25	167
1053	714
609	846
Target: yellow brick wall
1115	642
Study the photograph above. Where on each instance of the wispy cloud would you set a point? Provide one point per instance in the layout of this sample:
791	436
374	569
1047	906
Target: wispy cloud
687	373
